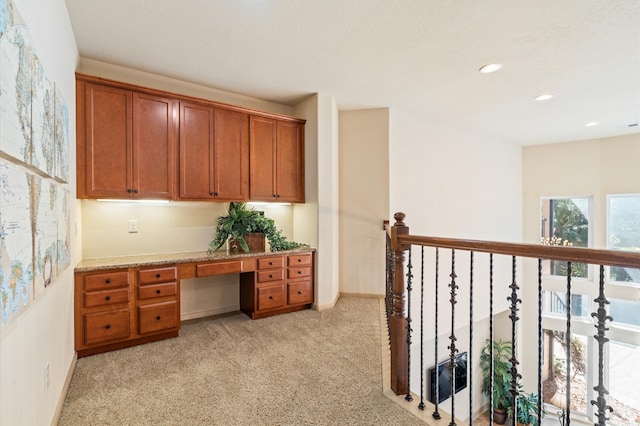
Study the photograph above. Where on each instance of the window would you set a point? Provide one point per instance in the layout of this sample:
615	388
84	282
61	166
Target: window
565	222
623	231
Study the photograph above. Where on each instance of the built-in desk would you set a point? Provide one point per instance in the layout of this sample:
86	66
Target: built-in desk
130	300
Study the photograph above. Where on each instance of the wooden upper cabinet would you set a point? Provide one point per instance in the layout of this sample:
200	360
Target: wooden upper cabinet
136	142
107	142
276	160
126	143
214	158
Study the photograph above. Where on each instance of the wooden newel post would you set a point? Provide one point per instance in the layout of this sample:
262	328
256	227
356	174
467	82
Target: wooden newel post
398	321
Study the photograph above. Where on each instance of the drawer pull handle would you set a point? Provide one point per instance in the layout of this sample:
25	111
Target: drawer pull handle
299	292
158	318
107	298
270	297
157	291
299	260
270	276
108	280
158	275
108	326
270	263
299	272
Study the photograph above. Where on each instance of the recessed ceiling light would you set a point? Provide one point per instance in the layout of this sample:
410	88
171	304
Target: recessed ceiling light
591	124
489	68
544	97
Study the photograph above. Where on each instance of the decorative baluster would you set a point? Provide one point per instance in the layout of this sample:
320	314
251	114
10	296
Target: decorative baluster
436	413
470	363
491	338
513	298
408	396
601	402
388	299
421	405
568	342
539	411
452	338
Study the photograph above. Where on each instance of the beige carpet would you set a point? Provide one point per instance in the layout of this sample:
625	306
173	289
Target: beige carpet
304	368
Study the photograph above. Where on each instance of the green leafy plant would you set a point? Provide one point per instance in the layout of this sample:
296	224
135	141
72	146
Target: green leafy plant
501	373
241	220
527	409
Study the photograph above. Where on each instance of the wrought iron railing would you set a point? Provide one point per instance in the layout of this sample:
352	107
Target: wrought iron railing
400	287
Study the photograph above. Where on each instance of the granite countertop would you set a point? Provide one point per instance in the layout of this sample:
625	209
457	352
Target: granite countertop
97	264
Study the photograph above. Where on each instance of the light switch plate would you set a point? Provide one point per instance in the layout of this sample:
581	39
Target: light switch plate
133	225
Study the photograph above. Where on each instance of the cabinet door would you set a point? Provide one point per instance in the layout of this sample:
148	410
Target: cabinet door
290	162
107	139
153	146
262	138
231	156
196	151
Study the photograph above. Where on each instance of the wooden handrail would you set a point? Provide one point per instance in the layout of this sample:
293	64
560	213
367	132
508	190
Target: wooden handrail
626	259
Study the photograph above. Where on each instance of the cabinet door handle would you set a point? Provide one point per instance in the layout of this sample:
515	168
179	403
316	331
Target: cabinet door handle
129	190
108	281
108	326
211	193
158	275
135	190
157	291
158	318
107	298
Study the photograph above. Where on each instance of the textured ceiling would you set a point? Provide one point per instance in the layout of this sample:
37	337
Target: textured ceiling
421	56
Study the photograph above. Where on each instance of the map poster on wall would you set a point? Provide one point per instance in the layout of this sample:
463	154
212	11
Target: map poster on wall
16	247
45	234
61	140
15	93
63	213
42	116
6	16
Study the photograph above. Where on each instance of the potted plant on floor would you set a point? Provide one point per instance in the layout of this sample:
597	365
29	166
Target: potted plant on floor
241	221
527	409
501	377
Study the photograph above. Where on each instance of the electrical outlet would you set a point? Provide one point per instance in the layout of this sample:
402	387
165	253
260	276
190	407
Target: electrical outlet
47	378
133	225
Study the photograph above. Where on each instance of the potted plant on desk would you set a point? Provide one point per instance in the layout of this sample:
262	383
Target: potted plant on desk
241	221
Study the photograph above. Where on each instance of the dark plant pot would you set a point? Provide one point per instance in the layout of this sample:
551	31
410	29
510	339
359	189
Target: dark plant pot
254	240
499	416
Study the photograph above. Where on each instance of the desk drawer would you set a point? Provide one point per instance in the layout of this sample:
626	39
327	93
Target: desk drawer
271	297
298	272
271	262
157	275
106	297
106	281
270	275
299	292
157	290
299	259
104	327
158	317
218	268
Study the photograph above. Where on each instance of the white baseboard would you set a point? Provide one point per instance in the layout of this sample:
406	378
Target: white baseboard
209	312
325	307
65	389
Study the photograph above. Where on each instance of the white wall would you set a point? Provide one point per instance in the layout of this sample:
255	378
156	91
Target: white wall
44	333
593	168
364	199
317	219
